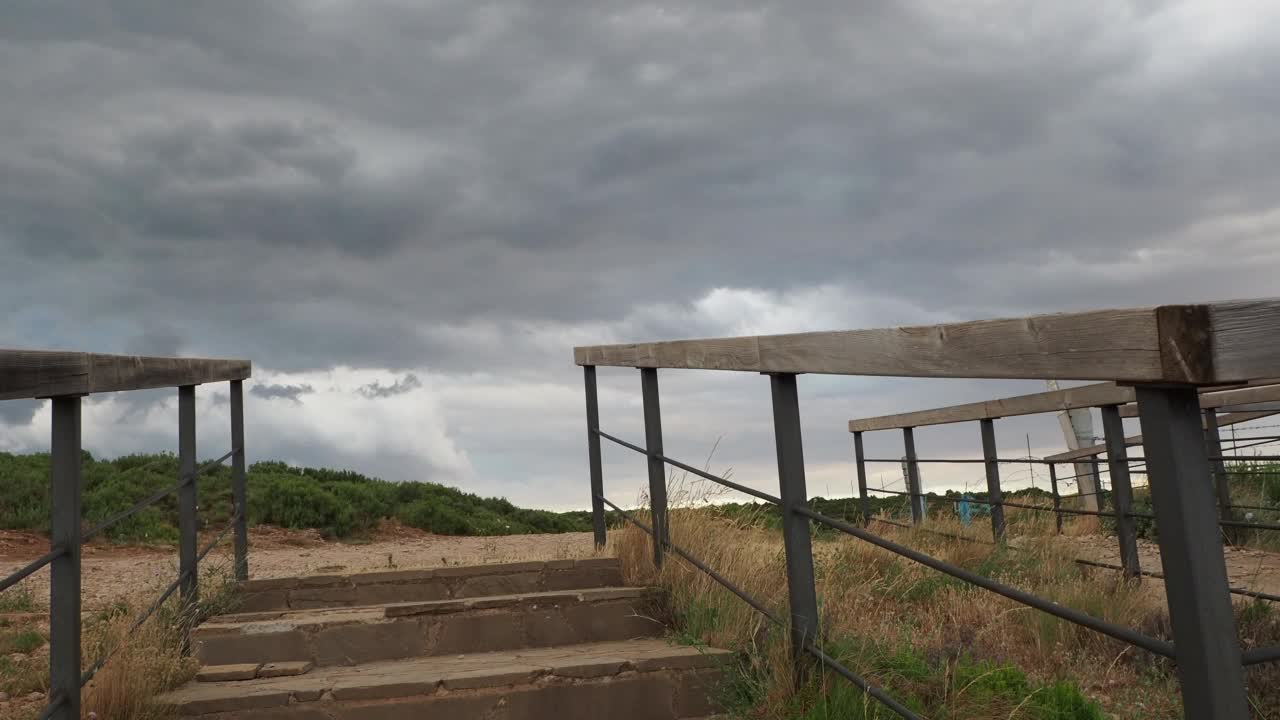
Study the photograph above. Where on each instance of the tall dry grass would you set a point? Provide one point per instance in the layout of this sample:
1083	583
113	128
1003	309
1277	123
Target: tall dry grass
918	633
142	662
146	661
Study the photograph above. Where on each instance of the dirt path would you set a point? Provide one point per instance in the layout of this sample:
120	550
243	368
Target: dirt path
1246	568
114	572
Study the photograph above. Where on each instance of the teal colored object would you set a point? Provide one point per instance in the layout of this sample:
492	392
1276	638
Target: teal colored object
963	509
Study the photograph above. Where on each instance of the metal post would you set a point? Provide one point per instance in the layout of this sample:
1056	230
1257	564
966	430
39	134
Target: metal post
860	461
1057	498
1195	573
1121	492
1213	439
593	455
913	477
187	493
1097	482
994	496
238	490
795	527
64	571
657	468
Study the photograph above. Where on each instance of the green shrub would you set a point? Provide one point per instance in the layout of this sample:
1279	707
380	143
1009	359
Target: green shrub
339	503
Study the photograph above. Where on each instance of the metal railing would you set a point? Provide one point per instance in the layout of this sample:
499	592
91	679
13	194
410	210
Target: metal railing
1204	647
67	532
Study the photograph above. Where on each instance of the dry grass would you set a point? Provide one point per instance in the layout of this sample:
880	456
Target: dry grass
143	662
921	634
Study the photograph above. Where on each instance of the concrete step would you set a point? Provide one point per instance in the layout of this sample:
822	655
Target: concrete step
351	636
645	679
446	583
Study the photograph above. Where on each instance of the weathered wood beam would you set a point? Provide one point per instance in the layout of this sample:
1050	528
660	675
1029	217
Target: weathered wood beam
44	373
1032	404
1084	396
1258	392
1251	407
1189	344
1094	450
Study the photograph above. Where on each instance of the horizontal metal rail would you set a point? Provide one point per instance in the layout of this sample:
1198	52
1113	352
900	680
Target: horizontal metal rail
725	482
728	585
1050	508
231	523
1244	592
1257	656
689	468
1264	508
891	492
957	461
1153	645
215	462
865	686
931	531
1251	525
31	567
1006	503
133	510
98	664
620	441
153	499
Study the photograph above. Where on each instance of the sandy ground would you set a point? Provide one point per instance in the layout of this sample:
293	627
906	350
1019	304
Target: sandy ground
111	572
1246	568
114	572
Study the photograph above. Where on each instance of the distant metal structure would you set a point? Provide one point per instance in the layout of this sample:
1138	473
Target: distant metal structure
1077	430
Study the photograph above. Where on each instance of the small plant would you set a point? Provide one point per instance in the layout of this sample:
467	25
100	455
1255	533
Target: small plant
18	599
20	641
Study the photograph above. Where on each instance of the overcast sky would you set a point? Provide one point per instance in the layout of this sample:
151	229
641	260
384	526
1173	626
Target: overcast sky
407	213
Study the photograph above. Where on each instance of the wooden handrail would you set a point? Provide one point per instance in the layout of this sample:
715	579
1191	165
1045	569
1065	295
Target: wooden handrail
50	373
1084	396
1220	343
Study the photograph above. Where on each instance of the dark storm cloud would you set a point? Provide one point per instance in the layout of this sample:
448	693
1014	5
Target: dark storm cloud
292	393
156	341
405	185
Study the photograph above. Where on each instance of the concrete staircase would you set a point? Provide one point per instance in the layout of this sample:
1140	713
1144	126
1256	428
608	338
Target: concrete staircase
562	640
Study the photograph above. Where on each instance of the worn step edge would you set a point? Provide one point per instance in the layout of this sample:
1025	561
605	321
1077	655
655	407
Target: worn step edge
334	616
253	671
321	591
332	638
433	676
325	618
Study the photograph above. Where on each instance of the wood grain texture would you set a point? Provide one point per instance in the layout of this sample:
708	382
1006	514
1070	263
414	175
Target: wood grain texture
1094	450
1188	344
1101	345
43	373
1186	355
1246	339
1224	398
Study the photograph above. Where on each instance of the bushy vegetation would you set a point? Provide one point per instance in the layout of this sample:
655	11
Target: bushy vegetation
338	503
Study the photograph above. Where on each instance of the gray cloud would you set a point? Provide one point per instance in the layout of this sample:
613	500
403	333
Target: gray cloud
19	412
292	393
375	389
471	188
